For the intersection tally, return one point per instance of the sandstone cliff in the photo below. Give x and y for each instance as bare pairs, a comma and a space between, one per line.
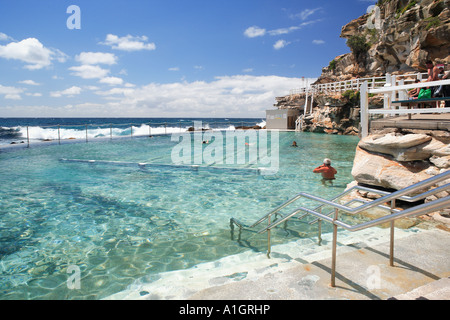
397, 37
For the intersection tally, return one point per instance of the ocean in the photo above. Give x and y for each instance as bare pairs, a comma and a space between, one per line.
20, 130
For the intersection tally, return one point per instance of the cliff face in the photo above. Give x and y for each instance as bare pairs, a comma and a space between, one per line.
398, 36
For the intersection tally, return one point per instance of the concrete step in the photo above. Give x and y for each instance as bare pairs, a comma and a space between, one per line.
436, 290
301, 270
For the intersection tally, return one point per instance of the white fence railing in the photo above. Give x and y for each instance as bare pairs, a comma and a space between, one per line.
355, 84
393, 93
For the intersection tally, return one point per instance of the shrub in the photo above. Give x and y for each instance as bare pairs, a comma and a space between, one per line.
332, 65
358, 45
432, 22
352, 96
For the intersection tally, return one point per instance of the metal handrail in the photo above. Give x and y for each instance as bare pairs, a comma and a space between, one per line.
398, 195
402, 194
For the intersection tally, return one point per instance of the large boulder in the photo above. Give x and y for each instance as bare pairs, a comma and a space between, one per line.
384, 171
410, 147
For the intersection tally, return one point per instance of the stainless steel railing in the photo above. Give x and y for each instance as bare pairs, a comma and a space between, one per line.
420, 189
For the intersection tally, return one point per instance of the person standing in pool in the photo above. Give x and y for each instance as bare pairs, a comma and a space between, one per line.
327, 172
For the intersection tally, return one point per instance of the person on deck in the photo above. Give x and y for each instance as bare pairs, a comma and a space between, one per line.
327, 172
433, 71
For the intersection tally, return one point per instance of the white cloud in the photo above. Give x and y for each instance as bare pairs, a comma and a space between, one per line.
111, 80
280, 31
92, 88
280, 44
318, 42
96, 58
11, 93
30, 83
228, 96
254, 31
32, 52
128, 43
4, 37
115, 91
89, 72
174, 69
37, 94
305, 13
70, 92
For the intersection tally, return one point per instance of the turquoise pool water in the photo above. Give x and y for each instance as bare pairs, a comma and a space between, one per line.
118, 223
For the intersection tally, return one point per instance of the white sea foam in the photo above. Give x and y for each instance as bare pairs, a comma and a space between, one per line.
53, 133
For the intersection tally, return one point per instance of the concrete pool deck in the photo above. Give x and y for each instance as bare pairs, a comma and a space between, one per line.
301, 270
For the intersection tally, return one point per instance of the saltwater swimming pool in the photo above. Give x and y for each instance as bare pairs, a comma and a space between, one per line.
119, 223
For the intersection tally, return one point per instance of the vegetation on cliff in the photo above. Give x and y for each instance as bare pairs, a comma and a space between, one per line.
396, 37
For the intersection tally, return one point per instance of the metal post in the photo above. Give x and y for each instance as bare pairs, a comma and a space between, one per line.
391, 249
28, 138
319, 225
59, 135
149, 130
131, 128
364, 106
86, 134
268, 240
333, 258
110, 131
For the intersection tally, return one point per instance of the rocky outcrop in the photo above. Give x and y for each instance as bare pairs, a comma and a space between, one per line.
410, 147
332, 120
397, 37
382, 170
394, 161
295, 101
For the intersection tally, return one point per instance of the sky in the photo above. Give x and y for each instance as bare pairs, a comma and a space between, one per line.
163, 58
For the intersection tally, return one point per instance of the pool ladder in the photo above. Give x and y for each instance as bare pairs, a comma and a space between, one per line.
332, 216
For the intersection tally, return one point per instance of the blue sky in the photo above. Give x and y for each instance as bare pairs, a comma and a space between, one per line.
168, 58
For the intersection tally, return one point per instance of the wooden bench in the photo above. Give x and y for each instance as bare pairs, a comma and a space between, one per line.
412, 102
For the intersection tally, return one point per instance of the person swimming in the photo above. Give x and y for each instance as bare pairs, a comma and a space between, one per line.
327, 172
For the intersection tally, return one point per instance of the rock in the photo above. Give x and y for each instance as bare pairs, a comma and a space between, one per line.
409, 147
441, 162
404, 38
384, 171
